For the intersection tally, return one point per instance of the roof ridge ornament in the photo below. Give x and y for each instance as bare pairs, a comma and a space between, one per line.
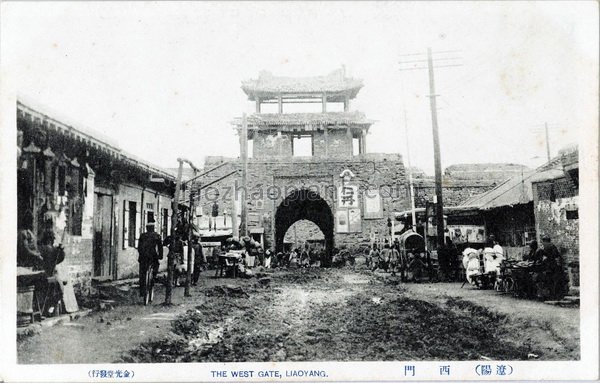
347, 175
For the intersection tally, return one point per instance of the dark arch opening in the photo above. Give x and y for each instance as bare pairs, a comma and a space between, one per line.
304, 204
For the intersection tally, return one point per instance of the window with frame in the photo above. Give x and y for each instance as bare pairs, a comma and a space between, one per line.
302, 146
130, 224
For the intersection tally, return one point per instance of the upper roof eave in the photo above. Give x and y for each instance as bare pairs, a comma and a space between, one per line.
269, 86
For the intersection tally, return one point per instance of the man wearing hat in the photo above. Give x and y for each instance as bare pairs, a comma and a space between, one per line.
150, 251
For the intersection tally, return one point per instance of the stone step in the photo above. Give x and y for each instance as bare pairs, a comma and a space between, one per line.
571, 298
554, 303
564, 302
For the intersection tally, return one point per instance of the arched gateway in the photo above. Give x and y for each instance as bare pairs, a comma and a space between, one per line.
304, 204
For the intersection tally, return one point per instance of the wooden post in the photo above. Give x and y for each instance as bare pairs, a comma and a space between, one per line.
439, 212
257, 105
324, 102
280, 103
363, 142
350, 139
326, 134
244, 155
170, 259
188, 277
235, 230
346, 103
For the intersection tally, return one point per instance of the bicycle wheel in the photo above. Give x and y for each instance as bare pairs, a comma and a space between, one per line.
149, 286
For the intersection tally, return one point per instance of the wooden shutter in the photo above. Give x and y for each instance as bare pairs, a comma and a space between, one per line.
125, 224
138, 224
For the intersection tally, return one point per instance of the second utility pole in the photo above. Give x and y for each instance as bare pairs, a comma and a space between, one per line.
547, 141
439, 206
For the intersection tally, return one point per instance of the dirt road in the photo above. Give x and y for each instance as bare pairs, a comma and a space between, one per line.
300, 315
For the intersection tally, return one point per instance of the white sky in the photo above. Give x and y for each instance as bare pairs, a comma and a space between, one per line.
163, 79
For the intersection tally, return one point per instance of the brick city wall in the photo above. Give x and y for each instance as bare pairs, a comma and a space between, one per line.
270, 181
303, 231
267, 145
454, 192
556, 216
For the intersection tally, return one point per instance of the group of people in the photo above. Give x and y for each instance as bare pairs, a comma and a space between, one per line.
483, 261
540, 275
41, 258
544, 275
150, 252
414, 266
309, 256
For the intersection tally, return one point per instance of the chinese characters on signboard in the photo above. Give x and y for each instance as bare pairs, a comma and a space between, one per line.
348, 196
348, 212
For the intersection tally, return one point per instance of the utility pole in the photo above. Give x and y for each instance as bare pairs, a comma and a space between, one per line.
410, 179
235, 228
170, 259
174, 219
547, 141
188, 277
414, 62
439, 206
244, 155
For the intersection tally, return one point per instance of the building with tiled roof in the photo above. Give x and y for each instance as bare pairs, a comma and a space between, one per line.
93, 196
307, 160
268, 87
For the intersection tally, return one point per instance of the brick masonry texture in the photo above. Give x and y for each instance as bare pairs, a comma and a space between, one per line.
454, 192
270, 181
552, 200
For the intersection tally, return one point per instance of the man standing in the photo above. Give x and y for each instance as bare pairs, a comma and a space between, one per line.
384, 257
557, 280
373, 257
150, 252
394, 256
199, 260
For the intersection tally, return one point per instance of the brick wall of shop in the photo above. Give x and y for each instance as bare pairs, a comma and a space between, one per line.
556, 215
78, 249
127, 255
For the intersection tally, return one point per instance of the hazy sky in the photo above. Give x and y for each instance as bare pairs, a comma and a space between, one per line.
163, 79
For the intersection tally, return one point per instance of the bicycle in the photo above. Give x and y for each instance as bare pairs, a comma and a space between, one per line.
148, 287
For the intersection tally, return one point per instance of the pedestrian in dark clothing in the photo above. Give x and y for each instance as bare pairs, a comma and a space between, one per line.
176, 252
199, 260
558, 282
28, 254
53, 255
535, 254
150, 252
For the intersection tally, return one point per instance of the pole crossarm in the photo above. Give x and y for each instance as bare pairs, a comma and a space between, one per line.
217, 180
181, 160
208, 171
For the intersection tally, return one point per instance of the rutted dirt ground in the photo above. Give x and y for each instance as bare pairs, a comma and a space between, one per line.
302, 315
